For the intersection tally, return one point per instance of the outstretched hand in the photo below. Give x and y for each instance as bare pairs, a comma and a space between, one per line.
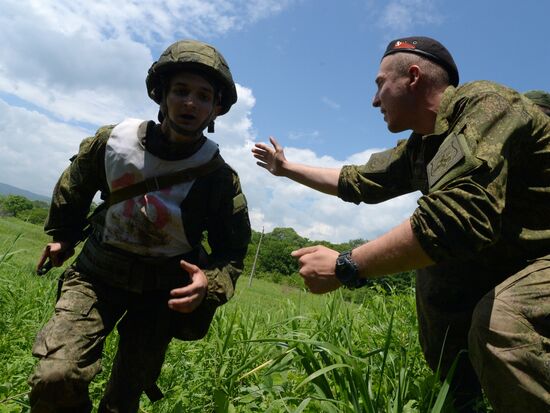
317, 266
270, 158
187, 299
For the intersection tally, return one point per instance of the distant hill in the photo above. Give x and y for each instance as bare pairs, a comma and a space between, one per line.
6, 189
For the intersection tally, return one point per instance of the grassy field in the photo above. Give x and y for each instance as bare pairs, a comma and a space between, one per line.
273, 348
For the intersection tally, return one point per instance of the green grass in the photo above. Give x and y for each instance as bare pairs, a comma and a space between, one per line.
272, 348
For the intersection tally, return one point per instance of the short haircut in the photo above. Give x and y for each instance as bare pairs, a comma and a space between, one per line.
436, 75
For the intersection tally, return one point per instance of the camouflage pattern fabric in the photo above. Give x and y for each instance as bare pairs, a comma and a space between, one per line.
510, 341
214, 204
70, 345
483, 215
539, 97
93, 298
192, 54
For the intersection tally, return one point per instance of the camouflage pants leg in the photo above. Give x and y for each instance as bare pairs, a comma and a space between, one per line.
444, 312
69, 348
144, 338
510, 342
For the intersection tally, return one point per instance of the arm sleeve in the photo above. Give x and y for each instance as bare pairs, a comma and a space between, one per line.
462, 212
228, 236
386, 175
75, 189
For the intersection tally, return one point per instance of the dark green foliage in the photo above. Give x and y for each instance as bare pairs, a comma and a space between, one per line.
34, 216
275, 263
14, 204
34, 212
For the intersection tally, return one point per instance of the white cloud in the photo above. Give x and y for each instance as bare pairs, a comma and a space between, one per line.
80, 62
34, 149
149, 20
85, 61
399, 17
280, 202
235, 127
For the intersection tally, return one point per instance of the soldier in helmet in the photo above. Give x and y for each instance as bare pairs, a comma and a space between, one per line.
540, 98
480, 236
142, 267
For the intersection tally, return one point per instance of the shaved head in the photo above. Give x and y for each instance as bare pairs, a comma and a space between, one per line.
434, 74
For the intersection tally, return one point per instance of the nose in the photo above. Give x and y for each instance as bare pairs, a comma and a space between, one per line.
376, 100
188, 100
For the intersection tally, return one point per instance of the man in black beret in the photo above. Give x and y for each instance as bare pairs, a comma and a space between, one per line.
479, 237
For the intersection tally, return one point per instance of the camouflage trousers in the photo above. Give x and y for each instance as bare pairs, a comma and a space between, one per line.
70, 346
506, 332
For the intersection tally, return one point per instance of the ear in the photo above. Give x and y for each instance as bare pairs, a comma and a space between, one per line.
414, 75
217, 110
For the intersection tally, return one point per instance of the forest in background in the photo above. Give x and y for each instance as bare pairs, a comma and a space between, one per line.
273, 261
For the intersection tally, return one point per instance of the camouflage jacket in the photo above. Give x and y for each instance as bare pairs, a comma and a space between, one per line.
484, 175
214, 204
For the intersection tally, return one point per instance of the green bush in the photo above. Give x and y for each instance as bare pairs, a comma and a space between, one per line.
14, 204
34, 216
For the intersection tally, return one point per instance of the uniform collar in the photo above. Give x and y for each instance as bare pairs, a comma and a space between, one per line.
445, 111
159, 145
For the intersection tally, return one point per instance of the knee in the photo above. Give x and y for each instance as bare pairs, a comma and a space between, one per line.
60, 383
496, 327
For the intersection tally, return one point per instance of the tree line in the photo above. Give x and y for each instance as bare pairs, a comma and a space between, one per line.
274, 261
23, 208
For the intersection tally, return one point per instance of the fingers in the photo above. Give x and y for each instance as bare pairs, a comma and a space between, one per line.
185, 304
261, 154
57, 252
188, 267
275, 144
317, 268
321, 285
187, 298
303, 251
45, 255
261, 147
59, 256
196, 284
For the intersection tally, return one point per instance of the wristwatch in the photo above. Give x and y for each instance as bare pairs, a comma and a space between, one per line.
347, 271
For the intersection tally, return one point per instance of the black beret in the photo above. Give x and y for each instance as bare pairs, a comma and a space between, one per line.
429, 48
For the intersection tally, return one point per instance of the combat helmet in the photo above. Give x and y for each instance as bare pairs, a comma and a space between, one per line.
192, 55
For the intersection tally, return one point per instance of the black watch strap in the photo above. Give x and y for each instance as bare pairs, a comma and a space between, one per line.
347, 271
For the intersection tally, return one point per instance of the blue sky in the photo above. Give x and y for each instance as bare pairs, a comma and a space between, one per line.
305, 71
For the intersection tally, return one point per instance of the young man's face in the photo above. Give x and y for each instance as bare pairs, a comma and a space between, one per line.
190, 100
393, 96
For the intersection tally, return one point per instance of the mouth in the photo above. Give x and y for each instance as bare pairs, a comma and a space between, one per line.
186, 118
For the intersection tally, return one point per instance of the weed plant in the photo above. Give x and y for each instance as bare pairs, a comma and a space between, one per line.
273, 348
